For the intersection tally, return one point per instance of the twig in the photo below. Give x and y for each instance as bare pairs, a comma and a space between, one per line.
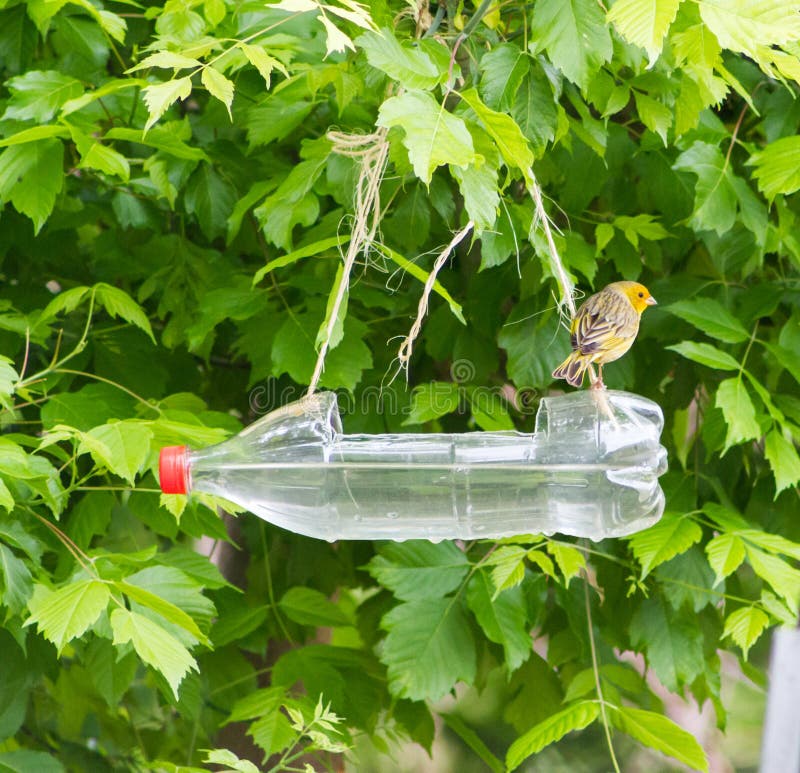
406, 348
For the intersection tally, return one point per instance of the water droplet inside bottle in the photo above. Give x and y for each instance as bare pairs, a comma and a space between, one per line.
392, 514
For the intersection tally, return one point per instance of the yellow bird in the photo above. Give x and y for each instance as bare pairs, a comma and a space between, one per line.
604, 329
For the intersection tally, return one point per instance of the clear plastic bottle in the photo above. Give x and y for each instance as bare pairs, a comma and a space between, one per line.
590, 469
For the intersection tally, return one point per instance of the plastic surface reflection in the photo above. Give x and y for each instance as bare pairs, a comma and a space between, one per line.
590, 470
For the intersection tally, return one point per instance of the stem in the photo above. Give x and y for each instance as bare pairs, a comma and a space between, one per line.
596, 670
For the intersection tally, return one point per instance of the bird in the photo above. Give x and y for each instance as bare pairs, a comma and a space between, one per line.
603, 329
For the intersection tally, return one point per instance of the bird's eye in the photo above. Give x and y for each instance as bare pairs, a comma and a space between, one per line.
641, 295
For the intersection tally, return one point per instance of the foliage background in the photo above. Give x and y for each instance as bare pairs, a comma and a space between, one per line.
174, 211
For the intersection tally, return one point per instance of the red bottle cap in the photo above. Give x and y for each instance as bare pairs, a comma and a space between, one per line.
172, 469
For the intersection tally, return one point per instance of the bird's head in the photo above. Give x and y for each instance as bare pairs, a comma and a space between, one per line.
637, 294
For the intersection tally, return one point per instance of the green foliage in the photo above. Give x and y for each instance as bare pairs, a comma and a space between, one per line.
178, 186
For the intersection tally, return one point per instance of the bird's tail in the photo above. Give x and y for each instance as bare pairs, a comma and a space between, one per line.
573, 368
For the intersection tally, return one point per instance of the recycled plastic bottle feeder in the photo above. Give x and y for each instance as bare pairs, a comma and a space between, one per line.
590, 469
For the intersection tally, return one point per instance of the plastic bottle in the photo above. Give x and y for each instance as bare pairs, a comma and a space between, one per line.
590, 469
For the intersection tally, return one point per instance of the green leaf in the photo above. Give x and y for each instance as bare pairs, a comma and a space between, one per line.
740, 415
31, 177
210, 198
218, 86
502, 618
418, 569
478, 186
168, 60
159, 138
263, 62
570, 560
508, 563
744, 626
108, 88
655, 115
712, 318
773, 543
310, 607
575, 36
743, 25
777, 167
308, 251
429, 647
160, 96
119, 304
433, 136
230, 761
37, 95
68, 612
502, 72
715, 193
154, 646
95, 155
535, 110
122, 447
274, 119
489, 411
725, 553
644, 23
784, 579
27, 761
336, 325
664, 540
409, 64
163, 607
673, 645
783, 460
17, 583
35, 133
433, 400
660, 733
705, 354
554, 728
504, 131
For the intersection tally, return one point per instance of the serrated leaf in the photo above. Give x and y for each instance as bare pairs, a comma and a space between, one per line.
335, 40
777, 167
705, 354
159, 138
31, 177
119, 304
428, 648
673, 645
503, 618
167, 60
570, 560
307, 251
783, 460
712, 318
160, 96
218, 86
505, 133
68, 612
37, 95
433, 136
725, 553
784, 579
552, 729
478, 186
105, 159
17, 581
154, 645
508, 566
739, 412
263, 62
655, 115
418, 569
502, 72
574, 34
772, 543
310, 607
644, 22
661, 733
36, 133
121, 447
231, 762
336, 326
541, 559
166, 609
408, 64
664, 540
744, 626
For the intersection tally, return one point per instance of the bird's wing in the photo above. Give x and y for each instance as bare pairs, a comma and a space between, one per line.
603, 323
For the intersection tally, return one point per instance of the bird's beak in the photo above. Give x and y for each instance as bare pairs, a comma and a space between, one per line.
651, 301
